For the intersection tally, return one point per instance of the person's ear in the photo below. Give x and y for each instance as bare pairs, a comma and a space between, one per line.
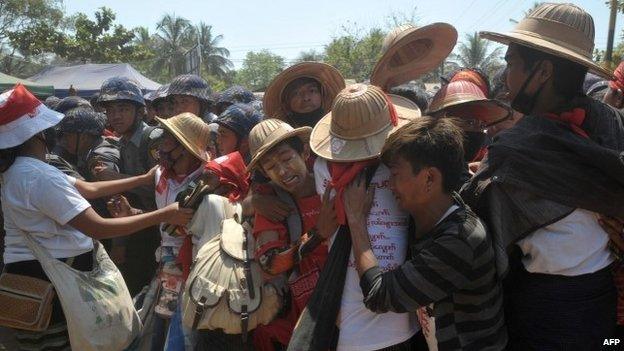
429, 178
305, 154
435, 178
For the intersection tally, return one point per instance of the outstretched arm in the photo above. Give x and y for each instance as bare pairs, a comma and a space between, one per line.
91, 224
94, 190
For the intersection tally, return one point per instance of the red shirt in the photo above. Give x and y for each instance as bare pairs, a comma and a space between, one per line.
280, 329
309, 209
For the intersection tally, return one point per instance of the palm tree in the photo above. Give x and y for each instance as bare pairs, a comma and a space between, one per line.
214, 57
174, 38
142, 37
474, 53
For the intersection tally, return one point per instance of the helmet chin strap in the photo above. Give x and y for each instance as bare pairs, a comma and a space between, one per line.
524, 102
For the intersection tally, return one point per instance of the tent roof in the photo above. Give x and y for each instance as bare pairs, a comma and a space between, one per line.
40, 90
88, 78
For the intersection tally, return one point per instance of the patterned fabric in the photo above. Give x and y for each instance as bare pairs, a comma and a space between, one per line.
618, 276
80, 117
236, 94
119, 89
191, 85
160, 93
240, 118
452, 267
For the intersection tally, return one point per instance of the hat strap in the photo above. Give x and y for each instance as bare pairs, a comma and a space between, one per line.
394, 118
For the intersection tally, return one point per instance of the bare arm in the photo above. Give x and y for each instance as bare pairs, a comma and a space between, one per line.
357, 211
94, 190
91, 224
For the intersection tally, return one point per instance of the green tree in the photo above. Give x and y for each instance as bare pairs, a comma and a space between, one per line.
28, 29
310, 55
215, 58
174, 39
355, 55
474, 52
100, 40
17, 15
259, 68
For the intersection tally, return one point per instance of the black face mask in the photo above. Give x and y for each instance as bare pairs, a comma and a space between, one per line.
166, 160
523, 102
305, 119
473, 141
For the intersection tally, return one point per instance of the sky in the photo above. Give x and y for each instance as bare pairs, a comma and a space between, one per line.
289, 27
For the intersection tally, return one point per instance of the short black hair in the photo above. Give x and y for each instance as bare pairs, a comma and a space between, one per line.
414, 93
429, 142
568, 76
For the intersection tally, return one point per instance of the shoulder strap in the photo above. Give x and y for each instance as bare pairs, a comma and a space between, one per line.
144, 145
293, 222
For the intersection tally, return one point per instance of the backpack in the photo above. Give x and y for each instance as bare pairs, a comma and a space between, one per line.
225, 289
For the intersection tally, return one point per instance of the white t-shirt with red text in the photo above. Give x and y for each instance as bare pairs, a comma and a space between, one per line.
360, 328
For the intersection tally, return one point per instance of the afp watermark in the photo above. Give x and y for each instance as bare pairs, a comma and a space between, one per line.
611, 342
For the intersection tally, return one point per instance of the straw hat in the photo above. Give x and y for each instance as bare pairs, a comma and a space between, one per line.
330, 79
409, 52
190, 131
22, 116
563, 30
270, 132
467, 99
359, 123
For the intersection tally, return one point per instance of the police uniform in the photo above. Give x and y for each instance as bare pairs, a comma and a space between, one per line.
105, 152
137, 155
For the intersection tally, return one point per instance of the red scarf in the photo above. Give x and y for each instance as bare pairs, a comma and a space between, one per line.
165, 175
231, 171
342, 174
574, 119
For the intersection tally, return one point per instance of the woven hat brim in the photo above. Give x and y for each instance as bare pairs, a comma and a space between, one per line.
443, 36
330, 147
181, 137
303, 133
329, 77
548, 47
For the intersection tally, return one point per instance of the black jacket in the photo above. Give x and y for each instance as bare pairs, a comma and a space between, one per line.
539, 171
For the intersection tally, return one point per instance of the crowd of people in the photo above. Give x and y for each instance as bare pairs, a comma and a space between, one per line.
327, 217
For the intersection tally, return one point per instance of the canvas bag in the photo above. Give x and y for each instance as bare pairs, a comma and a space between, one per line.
97, 305
221, 292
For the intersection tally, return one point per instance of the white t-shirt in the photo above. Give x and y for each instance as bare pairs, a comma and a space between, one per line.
360, 328
572, 246
166, 196
39, 200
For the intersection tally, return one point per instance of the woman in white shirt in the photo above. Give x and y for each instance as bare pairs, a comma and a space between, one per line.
40, 201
